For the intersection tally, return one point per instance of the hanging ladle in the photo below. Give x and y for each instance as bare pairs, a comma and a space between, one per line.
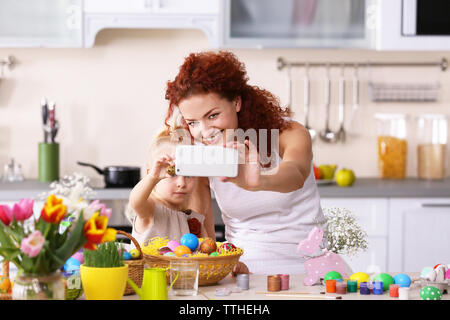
306, 90
327, 135
341, 132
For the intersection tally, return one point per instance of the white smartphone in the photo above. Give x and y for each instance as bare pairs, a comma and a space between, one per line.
206, 161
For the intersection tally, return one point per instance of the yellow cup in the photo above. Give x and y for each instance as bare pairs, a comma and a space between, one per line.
104, 283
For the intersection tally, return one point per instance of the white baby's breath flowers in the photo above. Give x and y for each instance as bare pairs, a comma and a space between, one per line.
344, 235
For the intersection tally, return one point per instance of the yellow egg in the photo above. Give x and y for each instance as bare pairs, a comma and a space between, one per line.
135, 253
360, 277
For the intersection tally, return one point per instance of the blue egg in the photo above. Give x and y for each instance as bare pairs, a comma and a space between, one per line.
402, 279
72, 265
127, 256
189, 240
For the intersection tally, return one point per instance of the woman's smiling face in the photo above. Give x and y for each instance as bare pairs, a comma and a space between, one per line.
208, 115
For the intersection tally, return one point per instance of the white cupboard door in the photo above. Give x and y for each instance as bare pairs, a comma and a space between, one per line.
371, 214
419, 233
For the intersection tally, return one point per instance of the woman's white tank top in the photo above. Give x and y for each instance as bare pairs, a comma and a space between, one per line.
268, 225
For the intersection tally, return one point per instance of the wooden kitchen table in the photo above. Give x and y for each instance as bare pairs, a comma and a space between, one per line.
258, 283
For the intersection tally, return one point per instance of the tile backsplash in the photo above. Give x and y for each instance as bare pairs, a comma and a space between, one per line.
110, 98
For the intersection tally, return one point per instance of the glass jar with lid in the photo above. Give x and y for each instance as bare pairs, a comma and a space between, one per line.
392, 145
432, 146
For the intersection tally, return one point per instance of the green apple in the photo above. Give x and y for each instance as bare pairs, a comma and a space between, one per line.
345, 177
327, 170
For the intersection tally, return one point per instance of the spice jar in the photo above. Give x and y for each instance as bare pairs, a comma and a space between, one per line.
392, 145
432, 145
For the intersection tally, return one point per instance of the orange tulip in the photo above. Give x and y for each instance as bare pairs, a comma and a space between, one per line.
96, 231
53, 210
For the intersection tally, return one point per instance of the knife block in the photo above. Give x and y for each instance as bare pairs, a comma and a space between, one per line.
48, 166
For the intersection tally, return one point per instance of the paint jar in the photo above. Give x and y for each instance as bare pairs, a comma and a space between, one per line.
352, 286
330, 286
273, 283
393, 290
341, 287
377, 287
284, 281
364, 288
243, 281
403, 293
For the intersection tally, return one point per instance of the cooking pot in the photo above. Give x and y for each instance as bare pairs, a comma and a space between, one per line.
117, 176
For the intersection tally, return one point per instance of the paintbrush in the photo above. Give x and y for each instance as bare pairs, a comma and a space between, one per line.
287, 292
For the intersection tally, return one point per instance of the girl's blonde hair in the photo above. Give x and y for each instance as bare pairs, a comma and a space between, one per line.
165, 141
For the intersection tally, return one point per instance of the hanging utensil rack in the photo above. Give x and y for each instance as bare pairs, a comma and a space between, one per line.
282, 63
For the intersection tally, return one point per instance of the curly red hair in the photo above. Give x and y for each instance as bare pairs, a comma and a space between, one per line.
222, 73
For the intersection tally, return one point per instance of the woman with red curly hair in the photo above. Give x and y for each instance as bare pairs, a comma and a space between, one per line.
267, 211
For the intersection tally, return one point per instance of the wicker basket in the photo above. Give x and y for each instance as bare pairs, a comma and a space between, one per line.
135, 266
5, 273
211, 269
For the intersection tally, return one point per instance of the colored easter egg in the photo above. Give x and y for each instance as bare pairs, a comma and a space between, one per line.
214, 254
430, 293
5, 284
173, 244
127, 256
226, 247
135, 253
402, 279
164, 250
360, 277
387, 280
170, 254
189, 240
332, 275
180, 250
71, 265
208, 246
425, 271
79, 256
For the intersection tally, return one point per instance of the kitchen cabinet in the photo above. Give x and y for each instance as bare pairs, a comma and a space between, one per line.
298, 24
151, 14
372, 215
76, 23
418, 233
41, 23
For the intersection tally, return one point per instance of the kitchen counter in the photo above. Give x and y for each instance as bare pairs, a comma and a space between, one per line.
363, 187
258, 285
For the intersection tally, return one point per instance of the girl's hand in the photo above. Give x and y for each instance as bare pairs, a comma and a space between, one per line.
159, 167
240, 267
248, 169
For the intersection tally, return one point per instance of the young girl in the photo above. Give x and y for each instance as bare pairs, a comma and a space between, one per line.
157, 204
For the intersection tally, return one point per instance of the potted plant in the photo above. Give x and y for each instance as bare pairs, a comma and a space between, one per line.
40, 244
103, 273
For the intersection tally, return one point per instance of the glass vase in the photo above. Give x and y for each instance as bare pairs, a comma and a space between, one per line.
38, 287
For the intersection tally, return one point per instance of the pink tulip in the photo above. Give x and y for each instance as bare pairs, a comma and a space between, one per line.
32, 244
5, 214
23, 209
96, 206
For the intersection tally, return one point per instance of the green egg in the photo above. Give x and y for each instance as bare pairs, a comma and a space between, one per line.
430, 293
214, 254
386, 278
332, 275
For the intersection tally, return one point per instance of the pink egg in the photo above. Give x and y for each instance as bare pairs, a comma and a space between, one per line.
78, 256
172, 244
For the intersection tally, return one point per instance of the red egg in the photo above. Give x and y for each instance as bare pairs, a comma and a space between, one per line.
226, 247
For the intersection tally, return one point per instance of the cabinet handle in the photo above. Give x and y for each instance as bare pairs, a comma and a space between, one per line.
436, 205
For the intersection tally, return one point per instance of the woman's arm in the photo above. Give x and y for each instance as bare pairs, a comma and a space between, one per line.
295, 148
200, 201
296, 152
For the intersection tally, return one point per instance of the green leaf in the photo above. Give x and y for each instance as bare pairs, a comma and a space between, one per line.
74, 241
